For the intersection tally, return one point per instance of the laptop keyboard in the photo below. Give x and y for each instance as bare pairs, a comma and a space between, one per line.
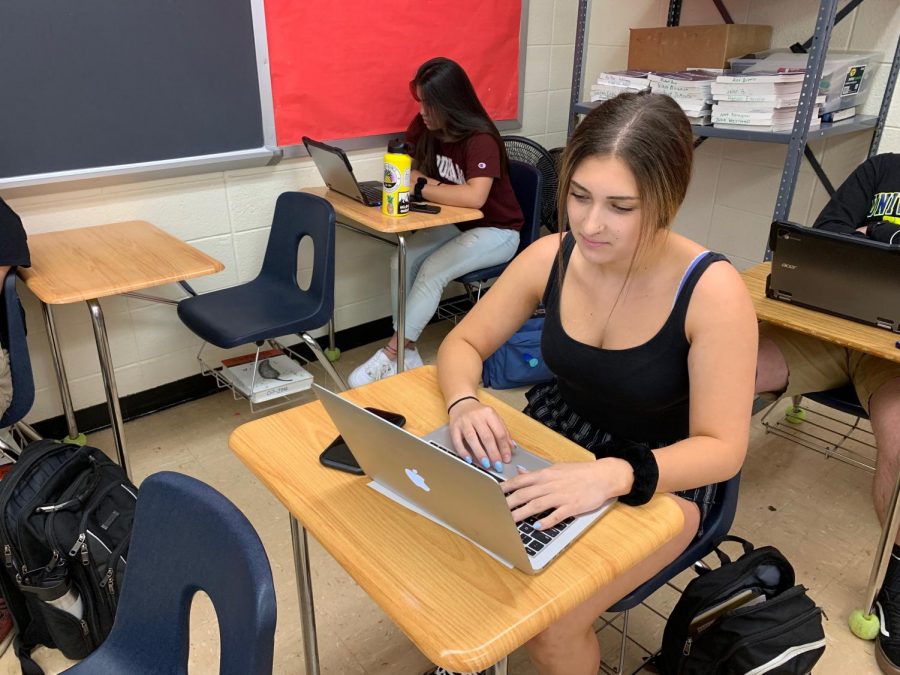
371, 192
536, 540
533, 540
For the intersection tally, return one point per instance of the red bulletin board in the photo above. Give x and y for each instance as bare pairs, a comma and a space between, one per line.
341, 69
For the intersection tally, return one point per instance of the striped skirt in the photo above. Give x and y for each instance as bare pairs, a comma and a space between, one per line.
546, 405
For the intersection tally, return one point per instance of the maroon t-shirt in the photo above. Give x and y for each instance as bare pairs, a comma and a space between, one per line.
473, 157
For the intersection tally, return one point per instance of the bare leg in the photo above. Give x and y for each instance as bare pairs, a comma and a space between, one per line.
391, 347
884, 412
771, 368
569, 646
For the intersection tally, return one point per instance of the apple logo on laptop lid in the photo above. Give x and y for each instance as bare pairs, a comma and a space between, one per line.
417, 480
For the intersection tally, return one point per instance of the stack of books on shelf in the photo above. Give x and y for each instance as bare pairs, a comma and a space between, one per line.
611, 84
759, 101
690, 89
276, 375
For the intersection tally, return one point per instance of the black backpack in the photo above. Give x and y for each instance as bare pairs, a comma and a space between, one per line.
745, 616
66, 513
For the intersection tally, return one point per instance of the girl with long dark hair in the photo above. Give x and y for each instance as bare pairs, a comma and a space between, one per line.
460, 157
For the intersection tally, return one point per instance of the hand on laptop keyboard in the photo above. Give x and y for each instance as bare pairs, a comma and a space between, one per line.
479, 433
560, 491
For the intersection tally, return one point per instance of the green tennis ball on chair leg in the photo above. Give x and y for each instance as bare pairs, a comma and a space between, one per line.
794, 415
862, 625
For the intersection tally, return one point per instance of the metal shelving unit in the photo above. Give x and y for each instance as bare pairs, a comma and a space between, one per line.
797, 138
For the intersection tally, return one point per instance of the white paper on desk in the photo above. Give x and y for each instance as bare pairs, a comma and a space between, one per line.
402, 501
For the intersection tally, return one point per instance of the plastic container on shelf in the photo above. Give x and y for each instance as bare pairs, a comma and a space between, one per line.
741, 63
846, 76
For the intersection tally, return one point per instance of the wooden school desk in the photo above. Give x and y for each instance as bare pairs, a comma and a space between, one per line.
352, 214
88, 263
851, 334
460, 607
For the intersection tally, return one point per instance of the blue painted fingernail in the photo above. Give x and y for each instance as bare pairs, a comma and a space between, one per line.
468, 459
537, 525
498, 467
485, 462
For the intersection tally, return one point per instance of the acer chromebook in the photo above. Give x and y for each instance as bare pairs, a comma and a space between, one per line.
851, 277
337, 173
426, 476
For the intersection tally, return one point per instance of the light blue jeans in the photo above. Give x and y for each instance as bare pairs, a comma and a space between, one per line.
437, 256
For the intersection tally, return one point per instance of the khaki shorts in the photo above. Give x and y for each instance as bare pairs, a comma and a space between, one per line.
5, 382
818, 365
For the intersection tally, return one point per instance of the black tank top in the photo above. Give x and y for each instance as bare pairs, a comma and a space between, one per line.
640, 393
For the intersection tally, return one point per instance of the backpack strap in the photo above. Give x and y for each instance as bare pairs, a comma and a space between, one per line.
24, 644
724, 558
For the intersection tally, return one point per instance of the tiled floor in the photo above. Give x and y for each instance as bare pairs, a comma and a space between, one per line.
816, 511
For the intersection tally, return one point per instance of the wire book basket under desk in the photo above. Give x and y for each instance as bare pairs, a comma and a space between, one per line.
224, 381
833, 433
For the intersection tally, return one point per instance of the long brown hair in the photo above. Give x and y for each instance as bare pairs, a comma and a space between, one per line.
446, 89
652, 136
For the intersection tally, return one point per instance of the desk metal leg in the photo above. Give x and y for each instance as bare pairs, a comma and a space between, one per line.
109, 383
401, 303
499, 668
60, 367
332, 352
304, 591
885, 545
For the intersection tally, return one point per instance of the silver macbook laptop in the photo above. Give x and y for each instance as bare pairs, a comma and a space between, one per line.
852, 277
426, 476
337, 173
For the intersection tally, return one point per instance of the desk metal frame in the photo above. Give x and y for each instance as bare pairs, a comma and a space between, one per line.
401, 290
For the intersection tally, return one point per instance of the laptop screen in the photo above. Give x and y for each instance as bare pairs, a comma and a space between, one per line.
334, 168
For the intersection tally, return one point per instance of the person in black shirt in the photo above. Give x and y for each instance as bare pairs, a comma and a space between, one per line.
651, 340
792, 363
13, 252
868, 202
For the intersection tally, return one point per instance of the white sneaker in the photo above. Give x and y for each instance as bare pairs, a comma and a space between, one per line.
412, 359
378, 367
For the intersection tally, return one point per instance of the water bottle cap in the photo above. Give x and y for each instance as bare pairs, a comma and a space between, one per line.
533, 363
398, 146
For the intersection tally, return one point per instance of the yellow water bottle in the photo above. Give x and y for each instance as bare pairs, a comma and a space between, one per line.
397, 167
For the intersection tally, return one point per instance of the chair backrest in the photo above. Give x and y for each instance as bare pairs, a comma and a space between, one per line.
187, 537
12, 337
298, 215
524, 149
526, 183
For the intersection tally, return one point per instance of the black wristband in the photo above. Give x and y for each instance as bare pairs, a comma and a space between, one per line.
643, 464
460, 400
421, 182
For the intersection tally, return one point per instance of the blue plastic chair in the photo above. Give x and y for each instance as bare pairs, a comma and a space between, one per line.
526, 182
12, 337
273, 304
717, 525
187, 537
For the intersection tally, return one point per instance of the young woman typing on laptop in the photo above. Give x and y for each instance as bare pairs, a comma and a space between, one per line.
459, 160
651, 338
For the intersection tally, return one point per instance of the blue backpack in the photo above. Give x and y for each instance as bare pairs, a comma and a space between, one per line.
518, 361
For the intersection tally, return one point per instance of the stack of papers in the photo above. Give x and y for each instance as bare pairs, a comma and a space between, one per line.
759, 101
689, 88
611, 84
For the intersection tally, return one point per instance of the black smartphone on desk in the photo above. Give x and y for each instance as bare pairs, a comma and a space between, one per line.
338, 456
421, 207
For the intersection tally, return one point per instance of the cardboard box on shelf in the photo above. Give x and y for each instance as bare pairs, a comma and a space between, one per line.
680, 47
